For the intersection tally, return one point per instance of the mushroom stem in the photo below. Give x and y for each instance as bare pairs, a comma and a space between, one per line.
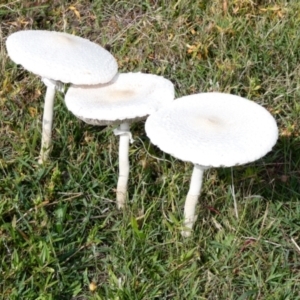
47, 120
125, 136
192, 199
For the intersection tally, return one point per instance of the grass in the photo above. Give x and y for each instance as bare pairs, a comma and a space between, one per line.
61, 236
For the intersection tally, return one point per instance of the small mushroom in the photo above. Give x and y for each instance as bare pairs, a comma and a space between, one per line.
211, 130
127, 98
59, 57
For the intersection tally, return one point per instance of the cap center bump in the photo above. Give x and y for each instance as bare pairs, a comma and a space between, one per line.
121, 95
209, 123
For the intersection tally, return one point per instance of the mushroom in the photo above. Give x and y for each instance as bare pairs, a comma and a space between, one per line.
211, 130
59, 57
127, 98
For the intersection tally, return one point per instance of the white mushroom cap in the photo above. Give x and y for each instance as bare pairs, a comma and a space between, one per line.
213, 129
61, 56
128, 97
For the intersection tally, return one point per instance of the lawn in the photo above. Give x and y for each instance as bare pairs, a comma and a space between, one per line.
61, 235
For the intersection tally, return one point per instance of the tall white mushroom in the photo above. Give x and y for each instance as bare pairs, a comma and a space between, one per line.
211, 130
129, 97
59, 57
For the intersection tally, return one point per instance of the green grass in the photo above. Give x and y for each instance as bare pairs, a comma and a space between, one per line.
59, 226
